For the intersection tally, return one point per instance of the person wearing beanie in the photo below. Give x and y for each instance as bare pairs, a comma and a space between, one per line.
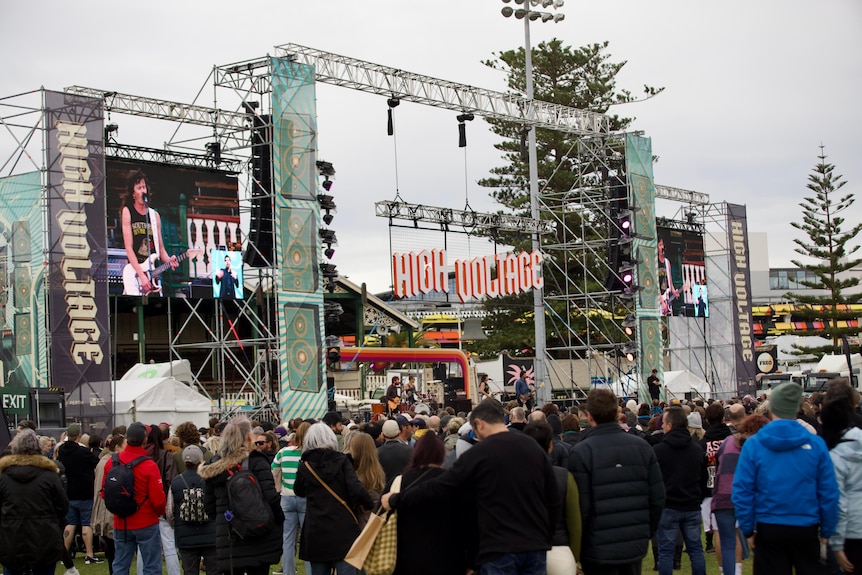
784, 490
140, 531
396, 451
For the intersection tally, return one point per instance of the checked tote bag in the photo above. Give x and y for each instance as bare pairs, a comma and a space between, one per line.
375, 550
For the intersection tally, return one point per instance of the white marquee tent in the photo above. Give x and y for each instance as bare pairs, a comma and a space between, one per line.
678, 383
159, 399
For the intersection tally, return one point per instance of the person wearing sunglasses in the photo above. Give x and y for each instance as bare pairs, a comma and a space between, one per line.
266, 444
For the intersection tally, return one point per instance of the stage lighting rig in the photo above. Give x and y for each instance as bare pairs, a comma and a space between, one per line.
328, 237
629, 324
462, 128
327, 204
630, 350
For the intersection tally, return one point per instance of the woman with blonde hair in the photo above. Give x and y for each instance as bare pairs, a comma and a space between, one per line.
252, 555
363, 451
327, 480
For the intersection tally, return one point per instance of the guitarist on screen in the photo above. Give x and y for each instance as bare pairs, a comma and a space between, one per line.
142, 236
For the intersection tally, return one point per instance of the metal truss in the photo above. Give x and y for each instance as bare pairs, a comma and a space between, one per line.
680, 195
468, 220
394, 83
172, 157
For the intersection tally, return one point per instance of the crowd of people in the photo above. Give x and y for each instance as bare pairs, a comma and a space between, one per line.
501, 489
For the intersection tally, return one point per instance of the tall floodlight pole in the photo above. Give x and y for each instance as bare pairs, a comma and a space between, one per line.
527, 14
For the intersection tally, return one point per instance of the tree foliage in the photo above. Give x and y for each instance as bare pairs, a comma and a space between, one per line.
583, 78
830, 256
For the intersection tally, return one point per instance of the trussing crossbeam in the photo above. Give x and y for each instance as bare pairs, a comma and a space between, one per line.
679, 195
467, 219
393, 83
165, 109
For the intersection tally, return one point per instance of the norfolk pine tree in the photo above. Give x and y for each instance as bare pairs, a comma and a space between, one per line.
828, 246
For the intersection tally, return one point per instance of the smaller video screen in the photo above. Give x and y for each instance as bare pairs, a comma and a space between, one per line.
227, 274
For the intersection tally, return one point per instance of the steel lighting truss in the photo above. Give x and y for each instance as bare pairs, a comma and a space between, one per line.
465, 219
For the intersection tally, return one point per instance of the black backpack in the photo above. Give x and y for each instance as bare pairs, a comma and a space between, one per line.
248, 514
119, 487
192, 505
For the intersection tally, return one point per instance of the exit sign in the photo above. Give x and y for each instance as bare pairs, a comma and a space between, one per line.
15, 401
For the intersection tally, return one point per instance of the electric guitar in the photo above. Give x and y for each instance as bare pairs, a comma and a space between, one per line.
667, 298
131, 283
525, 397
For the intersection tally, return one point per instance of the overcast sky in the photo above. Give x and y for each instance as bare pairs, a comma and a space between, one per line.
752, 90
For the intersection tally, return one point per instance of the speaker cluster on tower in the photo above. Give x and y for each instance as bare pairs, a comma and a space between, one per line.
327, 236
260, 252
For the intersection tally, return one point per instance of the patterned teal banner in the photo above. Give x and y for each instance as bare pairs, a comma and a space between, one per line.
297, 220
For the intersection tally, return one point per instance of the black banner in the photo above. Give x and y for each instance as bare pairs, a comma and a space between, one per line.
77, 258
740, 283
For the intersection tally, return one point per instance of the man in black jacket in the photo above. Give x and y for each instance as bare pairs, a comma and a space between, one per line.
509, 476
621, 491
80, 464
683, 467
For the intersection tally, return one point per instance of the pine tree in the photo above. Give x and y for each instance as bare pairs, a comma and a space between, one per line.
583, 78
828, 246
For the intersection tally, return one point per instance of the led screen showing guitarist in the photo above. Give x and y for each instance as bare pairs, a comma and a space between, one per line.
142, 238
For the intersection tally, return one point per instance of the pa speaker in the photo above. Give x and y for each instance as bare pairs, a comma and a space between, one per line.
23, 334
21, 245
298, 258
22, 286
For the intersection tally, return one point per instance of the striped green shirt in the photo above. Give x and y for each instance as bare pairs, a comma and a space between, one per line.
287, 461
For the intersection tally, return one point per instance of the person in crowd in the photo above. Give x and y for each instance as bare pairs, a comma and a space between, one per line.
695, 426
33, 507
102, 520
332, 490
415, 556
452, 427
734, 416
489, 473
195, 540
284, 467
783, 513
395, 452
517, 419
566, 542
683, 470
266, 444
252, 556
615, 471
335, 422
139, 531
845, 443
188, 434
715, 433
571, 430
370, 473
168, 470
733, 548
80, 467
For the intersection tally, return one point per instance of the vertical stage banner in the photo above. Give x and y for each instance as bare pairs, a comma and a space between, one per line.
297, 220
740, 275
77, 257
23, 313
639, 173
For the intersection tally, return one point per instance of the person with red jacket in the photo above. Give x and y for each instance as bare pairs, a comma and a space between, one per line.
140, 531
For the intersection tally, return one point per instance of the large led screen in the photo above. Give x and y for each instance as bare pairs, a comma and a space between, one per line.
683, 287
165, 222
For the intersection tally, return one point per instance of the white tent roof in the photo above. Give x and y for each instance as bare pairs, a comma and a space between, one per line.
684, 381
178, 369
158, 400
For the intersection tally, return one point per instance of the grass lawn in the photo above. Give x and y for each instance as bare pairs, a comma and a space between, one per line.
711, 566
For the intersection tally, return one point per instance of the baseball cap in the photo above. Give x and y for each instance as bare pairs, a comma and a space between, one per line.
136, 433
192, 454
280, 431
419, 422
74, 430
391, 428
402, 421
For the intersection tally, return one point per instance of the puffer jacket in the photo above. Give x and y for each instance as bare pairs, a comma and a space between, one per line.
847, 458
33, 506
329, 528
621, 491
237, 552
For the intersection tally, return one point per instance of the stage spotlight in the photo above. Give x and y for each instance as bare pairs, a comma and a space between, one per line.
630, 323
507, 11
325, 168
520, 13
624, 220
329, 252
630, 350
559, 17
327, 184
328, 237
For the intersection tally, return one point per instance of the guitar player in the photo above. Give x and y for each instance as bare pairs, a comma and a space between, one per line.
523, 391
392, 398
142, 233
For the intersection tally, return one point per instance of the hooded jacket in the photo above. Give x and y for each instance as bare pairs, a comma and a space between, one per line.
329, 528
33, 508
149, 493
785, 476
80, 464
847, 458
711, 443
264, 550
683, 469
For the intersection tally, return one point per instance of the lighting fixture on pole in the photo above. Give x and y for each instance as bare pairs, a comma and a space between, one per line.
525, 13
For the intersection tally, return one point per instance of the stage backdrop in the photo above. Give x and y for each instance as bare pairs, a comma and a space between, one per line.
77, 257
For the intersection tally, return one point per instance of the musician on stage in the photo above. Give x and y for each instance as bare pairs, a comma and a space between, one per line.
142, 233
409, 392
392, 396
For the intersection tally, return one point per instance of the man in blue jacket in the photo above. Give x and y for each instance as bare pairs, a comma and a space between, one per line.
785, 492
